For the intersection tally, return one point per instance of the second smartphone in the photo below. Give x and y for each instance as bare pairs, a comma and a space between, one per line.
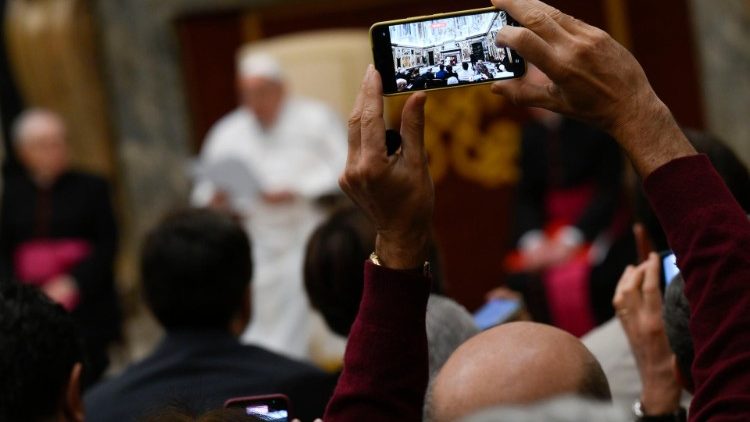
443, 51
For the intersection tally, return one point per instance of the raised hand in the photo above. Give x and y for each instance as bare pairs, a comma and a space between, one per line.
395, 191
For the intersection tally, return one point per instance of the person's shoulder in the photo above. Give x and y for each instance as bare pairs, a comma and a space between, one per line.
230, 122
276, 361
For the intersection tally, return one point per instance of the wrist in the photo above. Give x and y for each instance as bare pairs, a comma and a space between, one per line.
402, 251
650, 135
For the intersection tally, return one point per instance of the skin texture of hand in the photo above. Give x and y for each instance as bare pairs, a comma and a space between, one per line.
395, 192
592, 78
278, 198
639, 309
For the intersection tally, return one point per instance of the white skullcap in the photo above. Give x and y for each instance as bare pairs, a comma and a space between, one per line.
260, 65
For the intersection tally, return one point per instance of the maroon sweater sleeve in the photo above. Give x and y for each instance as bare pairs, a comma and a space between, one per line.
710, 234
385, 365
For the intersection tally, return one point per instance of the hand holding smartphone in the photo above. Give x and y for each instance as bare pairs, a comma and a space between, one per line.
443, 51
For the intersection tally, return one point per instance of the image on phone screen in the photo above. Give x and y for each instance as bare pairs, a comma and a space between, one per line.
445, 51
669, 267
496, 312
266, 413
274, 407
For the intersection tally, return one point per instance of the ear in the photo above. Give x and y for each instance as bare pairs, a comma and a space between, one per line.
73, 404
244, 314
643, 242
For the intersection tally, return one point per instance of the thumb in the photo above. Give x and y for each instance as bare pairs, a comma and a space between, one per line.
412, 127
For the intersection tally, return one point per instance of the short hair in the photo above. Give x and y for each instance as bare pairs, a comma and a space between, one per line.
333, 267
561, 409
593, 383
677, 325
449, 68
195, 267
182, 413
442, 67
39, 345
465, 65
22, 123
449, 325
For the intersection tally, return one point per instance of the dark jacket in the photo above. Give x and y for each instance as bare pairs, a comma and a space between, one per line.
199, 371
78, 206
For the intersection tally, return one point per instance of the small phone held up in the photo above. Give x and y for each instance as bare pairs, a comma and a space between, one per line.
275, 407
443, 51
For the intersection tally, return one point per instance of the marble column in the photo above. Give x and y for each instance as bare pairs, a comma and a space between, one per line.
723, 40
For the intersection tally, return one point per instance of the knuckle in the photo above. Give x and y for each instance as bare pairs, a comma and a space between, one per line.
535, 18
355, 120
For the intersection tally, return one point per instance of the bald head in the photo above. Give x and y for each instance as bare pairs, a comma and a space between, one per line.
515, 363
39, 137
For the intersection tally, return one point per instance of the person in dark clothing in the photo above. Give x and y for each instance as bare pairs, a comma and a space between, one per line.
571, 211
442, 73
41, 352
196, 270
58, 232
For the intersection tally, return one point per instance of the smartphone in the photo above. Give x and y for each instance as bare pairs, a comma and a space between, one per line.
274, 407
496, 312
668, 268
443, 51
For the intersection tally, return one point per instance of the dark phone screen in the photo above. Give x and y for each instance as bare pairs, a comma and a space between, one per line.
444, 52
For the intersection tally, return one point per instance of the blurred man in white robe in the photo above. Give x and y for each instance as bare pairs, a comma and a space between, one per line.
269, 161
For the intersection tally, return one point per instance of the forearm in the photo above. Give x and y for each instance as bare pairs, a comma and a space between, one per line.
710, 235
649, 134
385, 367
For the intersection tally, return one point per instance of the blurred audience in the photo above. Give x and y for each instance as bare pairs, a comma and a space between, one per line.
196, 270
41, 358
58, 232
291, 151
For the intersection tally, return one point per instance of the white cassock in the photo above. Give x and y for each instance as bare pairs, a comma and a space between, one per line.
303, 153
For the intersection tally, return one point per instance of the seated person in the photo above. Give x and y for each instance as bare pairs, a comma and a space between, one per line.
334, 282
513, 364
58, 232
442, 73
41, 355
196, 270
465, 74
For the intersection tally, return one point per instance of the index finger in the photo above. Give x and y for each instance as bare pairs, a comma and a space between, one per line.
372, 124
528, 12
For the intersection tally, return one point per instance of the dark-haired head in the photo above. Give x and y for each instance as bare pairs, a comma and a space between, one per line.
196, 269
41, 355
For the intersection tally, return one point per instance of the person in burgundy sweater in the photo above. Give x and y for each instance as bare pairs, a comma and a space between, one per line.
592, 78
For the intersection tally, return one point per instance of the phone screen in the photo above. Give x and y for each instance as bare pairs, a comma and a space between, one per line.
444, 51
669, 267
267, 408
496, 312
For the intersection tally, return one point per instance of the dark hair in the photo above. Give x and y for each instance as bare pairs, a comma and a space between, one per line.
676, 323
333, 269
39, 345
183, 414
730, 168
594, 384
449, 69
442, 67
465, 65
195, 267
